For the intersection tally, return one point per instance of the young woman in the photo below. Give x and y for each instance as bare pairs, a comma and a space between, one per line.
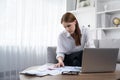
71, 41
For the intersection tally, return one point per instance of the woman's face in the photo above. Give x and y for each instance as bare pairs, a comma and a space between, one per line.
69, 26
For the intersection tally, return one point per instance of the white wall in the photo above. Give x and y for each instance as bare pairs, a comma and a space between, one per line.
70, 4
86, 16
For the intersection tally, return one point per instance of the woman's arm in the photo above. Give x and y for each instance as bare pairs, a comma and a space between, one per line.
60, 52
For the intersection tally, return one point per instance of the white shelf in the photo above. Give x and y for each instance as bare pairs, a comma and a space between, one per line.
82, 10
109, 11
111, 28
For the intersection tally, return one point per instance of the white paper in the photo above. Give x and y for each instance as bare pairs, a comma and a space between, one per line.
50, 70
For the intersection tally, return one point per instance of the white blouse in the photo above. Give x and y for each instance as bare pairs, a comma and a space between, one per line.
66, 44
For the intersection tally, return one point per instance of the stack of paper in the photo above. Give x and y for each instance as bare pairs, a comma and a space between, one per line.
50, 70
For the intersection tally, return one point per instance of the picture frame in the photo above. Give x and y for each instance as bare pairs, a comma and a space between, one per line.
85, 3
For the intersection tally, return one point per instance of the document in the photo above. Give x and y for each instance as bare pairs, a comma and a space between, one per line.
50, 70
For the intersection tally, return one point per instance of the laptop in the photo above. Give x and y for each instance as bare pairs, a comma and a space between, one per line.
99, 59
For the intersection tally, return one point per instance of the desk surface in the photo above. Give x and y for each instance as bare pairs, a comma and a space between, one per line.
82, 76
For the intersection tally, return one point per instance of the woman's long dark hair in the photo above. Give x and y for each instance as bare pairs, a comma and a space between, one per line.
69, 17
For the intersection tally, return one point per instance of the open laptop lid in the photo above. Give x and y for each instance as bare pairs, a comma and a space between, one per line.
99, 59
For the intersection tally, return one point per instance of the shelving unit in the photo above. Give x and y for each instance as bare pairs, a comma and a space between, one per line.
100, 18
106, 11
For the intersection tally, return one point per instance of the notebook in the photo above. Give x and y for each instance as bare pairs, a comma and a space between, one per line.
99, 59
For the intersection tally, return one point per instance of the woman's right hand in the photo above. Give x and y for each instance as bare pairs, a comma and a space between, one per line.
59, 64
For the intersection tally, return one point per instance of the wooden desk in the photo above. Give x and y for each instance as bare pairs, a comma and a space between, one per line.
86, 76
